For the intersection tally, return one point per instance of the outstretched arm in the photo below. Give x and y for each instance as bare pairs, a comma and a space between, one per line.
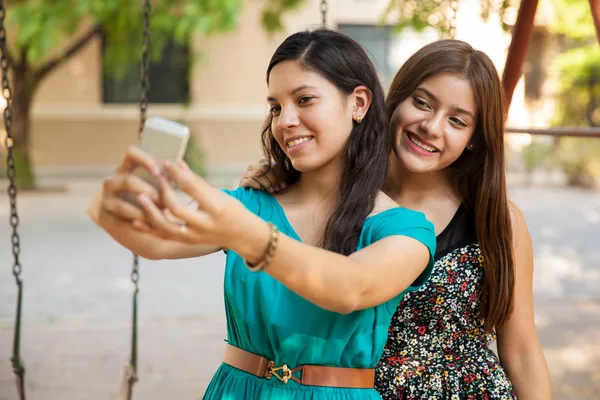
343, 284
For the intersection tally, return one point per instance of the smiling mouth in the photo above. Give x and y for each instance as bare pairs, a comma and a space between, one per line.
415, 140
293, 143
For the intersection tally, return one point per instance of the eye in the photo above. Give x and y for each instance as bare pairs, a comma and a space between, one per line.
305, 99
458, 122
421, 103
275, 110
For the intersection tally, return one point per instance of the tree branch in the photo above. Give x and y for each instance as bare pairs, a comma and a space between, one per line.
9, 58
23, 60
595, 8
517, 50
68, 53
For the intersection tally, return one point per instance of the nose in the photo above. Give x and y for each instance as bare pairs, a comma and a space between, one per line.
288, 117
433, 125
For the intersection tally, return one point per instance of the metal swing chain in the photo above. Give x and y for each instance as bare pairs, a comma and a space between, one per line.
145, 86
143, 105
145, 73
324, 9
17, 363
131, 375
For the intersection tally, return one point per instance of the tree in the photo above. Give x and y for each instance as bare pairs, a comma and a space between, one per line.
440, 14
579, 18
578, 97
517, 50
37, 30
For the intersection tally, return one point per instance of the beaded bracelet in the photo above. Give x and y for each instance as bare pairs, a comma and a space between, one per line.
269, 251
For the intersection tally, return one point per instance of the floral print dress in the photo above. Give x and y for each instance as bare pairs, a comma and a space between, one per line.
437, 346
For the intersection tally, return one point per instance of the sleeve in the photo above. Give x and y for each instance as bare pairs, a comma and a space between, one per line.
401, 221
235, 193
248, 197
244, 196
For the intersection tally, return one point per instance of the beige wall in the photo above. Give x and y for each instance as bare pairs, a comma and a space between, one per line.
74, 133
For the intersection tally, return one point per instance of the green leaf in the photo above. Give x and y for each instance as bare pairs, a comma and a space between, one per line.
578, 97
40, 28
573, 19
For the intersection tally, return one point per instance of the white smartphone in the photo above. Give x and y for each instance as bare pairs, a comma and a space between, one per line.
163, 139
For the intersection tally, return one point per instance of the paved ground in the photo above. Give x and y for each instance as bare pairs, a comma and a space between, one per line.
77, 302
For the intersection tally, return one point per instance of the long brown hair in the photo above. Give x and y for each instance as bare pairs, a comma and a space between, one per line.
479, 174
344, 63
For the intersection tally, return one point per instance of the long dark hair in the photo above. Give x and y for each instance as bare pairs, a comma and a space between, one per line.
479, 174
345, 64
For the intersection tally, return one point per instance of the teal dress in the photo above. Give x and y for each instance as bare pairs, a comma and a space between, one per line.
266, 318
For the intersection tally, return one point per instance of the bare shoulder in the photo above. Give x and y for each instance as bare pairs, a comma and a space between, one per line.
383, 203
522, 244
519, 225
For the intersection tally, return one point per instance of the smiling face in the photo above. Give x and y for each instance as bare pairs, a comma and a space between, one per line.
311, 119
434, 125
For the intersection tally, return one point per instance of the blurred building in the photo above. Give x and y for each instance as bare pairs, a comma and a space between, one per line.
83, 119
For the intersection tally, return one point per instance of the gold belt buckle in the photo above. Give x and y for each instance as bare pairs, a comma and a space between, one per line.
285, 370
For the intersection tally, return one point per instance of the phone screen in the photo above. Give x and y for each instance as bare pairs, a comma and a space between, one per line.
164, 144
164, 140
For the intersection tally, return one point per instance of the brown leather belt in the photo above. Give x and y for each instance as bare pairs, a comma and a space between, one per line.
312, 375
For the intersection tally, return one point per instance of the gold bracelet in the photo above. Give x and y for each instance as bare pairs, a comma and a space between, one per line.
269, 251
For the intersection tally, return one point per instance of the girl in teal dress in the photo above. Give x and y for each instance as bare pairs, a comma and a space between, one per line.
315, 273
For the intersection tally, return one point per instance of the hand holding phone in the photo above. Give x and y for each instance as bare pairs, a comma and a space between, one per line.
164, 140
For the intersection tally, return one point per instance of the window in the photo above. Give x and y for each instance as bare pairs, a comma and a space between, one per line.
377, 40
169, 78
388, 49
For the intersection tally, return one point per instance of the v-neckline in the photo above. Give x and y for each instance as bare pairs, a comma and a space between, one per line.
284, 219
288, 225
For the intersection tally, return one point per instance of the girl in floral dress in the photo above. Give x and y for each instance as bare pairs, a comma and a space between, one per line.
446, 108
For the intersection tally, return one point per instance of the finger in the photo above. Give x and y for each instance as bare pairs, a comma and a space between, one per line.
255, 180
264, 184
117, 184
193, 185
191, 216
262, 165
121, 208
170, 217
279, 187
169, 196
170, 231
260, 180
256, 168
135, 157
156, 219
141, 226
273, 164
192, 204
171, 225
266, 178
250, 183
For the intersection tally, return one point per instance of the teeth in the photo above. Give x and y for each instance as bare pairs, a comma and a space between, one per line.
296, 142
420, 144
